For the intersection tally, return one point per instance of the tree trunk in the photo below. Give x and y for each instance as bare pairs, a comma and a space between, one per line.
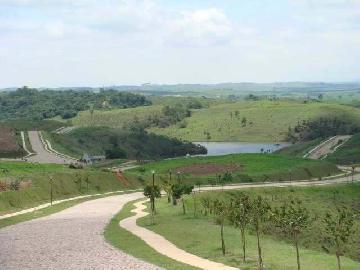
259, 249
174, 200
169, 199
222, 238
338, 261
183, 206
243, 243
297, 253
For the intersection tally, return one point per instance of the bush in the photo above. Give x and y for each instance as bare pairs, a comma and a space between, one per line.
115, 153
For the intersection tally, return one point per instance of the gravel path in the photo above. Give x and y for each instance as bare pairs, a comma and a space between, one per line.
70, 239
43, 156
165, 247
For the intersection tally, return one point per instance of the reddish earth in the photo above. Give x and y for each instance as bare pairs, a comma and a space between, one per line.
122, 178
8, 143
206, 169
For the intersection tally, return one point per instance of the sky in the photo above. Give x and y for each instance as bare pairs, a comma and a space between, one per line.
54, 43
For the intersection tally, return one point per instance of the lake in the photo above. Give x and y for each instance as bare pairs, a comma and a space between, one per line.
224, 148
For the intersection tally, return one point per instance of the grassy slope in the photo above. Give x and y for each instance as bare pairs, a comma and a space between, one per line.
131, 244
257, 167
64, 185
203, 236
349, 153
116, 117
299, 149
270, 120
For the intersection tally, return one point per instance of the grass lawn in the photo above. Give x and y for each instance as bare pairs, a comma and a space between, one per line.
133, 245
203, 235
244, 167
64, 185
266, 121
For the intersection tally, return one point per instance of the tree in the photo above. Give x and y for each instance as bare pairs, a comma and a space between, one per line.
178, 190
240, 216
258, 215
338, 228
167, 187
152, 191
221, 211
78, 180
292, 218
87, 181
243, 121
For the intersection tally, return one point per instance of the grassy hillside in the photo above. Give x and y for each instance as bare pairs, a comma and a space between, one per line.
299, 149
349, 153
128, 144
115, 117
64, 185
243, 167
266, 121
203, 234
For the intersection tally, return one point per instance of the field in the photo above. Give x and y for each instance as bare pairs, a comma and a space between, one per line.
266, 121
243, 167
10, 143
64, 183
203, 235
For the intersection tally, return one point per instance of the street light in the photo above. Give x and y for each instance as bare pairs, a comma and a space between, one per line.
51, 190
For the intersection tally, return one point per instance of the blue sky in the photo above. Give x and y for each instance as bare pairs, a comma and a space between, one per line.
89, 42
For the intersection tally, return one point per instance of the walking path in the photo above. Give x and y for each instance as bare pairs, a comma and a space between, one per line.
163, 246
43, 155
70, 239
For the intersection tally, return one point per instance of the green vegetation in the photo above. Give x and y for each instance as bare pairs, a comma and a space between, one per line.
131, 244
349, 153
120, 143
27, 103
256, 121
28, 185
203, 236
242, 167
299, 149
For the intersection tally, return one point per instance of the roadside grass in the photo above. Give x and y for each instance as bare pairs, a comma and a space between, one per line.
64, 184
254, 168
349, 153
133, 245
60, 147
203, 235
299, 149
266, 121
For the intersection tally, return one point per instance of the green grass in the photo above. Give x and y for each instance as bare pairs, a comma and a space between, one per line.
299, 149
267, 121
256, 167
203, 235
63, 185
115, 117
133, 245
349, 153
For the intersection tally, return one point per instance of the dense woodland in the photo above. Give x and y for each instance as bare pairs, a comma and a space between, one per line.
132, 144
28, 103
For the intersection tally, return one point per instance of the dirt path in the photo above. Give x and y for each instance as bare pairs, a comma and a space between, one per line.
163, 246
327, 147
42, 155
70, 239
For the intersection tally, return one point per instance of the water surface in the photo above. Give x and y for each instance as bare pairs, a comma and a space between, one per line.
225, 148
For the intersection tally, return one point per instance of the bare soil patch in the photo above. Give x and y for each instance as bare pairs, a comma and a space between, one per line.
210, 168
8, 143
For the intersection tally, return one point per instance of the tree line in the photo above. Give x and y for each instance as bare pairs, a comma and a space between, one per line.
32, 104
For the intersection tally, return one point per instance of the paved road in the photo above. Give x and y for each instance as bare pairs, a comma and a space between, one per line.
327, 147
70, 239
42, 156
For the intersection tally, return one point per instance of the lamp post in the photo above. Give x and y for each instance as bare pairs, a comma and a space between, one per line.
51, 190
153, 194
